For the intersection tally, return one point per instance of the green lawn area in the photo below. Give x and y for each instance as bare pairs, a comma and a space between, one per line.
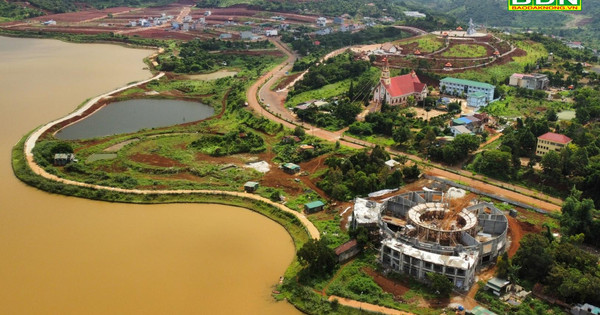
513, 106
465, 50
428, 43
327, 91
502, 72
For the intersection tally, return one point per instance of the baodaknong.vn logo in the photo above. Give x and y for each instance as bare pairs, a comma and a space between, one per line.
544, 5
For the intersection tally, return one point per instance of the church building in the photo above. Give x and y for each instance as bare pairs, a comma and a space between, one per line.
396, 90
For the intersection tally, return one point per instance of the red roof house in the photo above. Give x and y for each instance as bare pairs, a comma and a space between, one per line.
555, 137
396, 90
551, 141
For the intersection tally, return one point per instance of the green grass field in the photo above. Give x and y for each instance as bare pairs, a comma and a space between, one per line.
465, 50
502, 72
426, 44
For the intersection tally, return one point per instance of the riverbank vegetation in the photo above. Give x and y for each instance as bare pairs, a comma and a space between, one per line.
89, 38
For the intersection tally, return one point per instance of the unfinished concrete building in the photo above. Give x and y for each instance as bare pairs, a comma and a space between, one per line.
425, 231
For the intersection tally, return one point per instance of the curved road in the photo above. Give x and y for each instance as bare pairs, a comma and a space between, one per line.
277, 112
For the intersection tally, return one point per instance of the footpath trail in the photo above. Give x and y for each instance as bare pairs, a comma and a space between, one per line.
31, 141
367, 307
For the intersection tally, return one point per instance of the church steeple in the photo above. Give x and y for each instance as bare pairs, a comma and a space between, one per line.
385, 72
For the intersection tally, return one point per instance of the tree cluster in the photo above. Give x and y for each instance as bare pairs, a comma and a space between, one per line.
362, 173
334, 69
567, 271
240, 140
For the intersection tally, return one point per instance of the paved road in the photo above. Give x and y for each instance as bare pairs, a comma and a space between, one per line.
527, 196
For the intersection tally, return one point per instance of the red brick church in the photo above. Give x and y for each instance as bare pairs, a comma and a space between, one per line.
396, 90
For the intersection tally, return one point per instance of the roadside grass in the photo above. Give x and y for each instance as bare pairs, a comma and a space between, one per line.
426, 44
512, 106
330, 229
308, 195
327, 91
375, 139
465, 50
131, 91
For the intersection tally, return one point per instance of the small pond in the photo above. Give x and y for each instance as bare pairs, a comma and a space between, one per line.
133, 115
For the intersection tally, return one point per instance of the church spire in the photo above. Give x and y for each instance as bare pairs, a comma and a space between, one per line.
385, 72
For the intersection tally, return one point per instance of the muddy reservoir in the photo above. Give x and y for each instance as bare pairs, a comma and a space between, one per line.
64, 255
133, 115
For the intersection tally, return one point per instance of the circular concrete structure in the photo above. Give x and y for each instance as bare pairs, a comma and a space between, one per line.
437, 223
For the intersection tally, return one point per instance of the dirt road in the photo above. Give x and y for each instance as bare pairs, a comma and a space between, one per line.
367, 307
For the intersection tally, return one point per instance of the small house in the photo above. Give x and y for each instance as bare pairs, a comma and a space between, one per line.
390, 164
477, 99
291, 168
225, 36
321, 21
62, 159
347, 250
306, 147
497, 285
459, 130
250, 187
314, 206
207, 13
338, 20
269, 33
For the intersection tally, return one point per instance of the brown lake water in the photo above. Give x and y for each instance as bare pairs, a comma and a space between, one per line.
65, 255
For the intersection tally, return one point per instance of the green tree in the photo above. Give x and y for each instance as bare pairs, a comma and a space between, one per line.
551, 164
533, 257
439, 284
318, 259
299, 132
402, 134
494, 163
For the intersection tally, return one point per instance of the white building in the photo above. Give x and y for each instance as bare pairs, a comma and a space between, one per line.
271, 33
459, 87
535, 81
321, 22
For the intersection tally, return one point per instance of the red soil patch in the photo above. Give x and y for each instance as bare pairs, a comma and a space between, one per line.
277, 178
155, 160
217, 159
81, 16
390, 286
